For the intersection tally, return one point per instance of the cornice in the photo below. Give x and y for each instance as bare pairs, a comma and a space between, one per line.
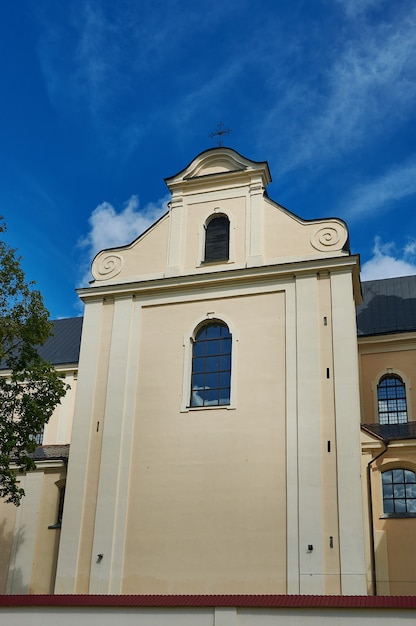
387, 343
43, 464
224, 278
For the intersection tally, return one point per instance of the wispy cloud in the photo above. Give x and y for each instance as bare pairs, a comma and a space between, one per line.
359, 95
109, 228
353, 8
388, 262
106, 59
375, 195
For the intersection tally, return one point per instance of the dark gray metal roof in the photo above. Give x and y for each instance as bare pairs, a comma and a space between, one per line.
63, 345
388, 306
388, 432
51, 452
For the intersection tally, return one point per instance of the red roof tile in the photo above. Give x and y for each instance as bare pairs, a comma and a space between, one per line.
202, 601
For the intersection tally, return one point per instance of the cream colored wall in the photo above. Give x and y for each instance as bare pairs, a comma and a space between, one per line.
29, 548
394, 538
8, 514
74, 560
288, 238
58, 429
167, 485
138, 261
378, 356
207, 485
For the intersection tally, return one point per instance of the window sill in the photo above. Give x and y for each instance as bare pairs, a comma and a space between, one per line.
398, 516
228, 407
218, 262
55, 526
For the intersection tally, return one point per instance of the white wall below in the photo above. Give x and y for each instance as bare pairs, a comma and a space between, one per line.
393, 613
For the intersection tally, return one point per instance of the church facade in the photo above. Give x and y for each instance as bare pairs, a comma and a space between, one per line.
215, 409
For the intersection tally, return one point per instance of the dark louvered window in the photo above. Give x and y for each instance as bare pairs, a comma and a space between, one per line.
217, 239
211, 366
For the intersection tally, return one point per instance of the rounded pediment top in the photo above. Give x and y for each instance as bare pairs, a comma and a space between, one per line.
220, 161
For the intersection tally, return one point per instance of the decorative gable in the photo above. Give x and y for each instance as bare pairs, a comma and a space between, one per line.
221, 188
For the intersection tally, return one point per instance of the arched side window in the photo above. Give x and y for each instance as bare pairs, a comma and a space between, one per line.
211, 365
217, 239
399, 492
391, 400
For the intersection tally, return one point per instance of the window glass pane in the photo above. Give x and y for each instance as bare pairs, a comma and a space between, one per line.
197, 381
226, 345
224, 397
196, 398
398, 491
387, 491
202, 333
213, 347
212, 364
411, 506
410, 490
198, 365
224, 380
398, 476
387, 477
400, 506
388, 506
199, 348
409, 476
211, 380
213, 331
225, 363
211, 397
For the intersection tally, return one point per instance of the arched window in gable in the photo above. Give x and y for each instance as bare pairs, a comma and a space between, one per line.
217, 239
211, 365
391, 400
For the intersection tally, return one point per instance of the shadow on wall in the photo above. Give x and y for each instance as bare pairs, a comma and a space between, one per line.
7, 571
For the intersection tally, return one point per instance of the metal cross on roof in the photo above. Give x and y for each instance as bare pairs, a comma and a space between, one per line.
220, 132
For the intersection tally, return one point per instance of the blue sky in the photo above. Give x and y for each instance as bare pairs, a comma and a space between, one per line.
102, 100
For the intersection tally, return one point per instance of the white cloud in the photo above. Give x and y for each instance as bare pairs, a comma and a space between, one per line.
110, 229
369, 197
353, 8
387, 263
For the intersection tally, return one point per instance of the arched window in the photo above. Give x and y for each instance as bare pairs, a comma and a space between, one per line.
211, 365
391, 399
217, 239
399, 492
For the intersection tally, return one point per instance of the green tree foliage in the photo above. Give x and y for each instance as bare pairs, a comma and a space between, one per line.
30, 388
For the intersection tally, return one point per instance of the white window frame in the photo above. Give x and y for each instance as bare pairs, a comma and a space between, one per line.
188, 341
